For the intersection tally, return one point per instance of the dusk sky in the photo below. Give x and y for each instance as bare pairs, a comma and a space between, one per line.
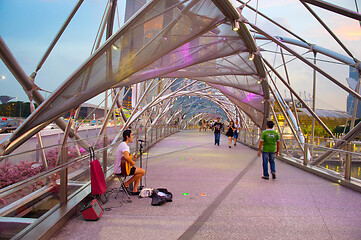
29, 26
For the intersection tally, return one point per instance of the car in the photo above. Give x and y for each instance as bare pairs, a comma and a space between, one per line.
8, 125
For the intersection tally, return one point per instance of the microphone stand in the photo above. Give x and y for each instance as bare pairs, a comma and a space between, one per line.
141, 163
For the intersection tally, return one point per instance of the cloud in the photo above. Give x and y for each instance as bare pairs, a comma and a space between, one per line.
276, 31
351, 32
273, 4
267, 4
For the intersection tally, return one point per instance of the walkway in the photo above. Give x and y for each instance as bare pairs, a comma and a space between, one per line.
237, 203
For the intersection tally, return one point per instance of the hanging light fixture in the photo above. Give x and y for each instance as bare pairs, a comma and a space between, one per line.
235, 25
251, 56
115, 47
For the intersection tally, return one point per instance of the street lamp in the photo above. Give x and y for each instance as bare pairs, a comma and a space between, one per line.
20, 103
10, 108
2, 77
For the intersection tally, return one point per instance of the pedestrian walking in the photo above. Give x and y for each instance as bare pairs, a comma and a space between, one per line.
217, 126
237, 128
270, 146
229, 133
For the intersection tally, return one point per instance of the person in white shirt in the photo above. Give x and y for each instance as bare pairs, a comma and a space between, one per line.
237, 128
123, 151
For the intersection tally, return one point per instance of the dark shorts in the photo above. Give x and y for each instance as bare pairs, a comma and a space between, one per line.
132, 171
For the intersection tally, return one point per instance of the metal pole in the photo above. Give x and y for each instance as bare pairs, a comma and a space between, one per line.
252, 136
329, 30
325, 74
348, 162
138, 103
300, 99
271, 20
105, 136
355, 106
105, 154
279, 129
58, 35
286, 118
145, 134
289, 82
305, 153
40, 141
151, 135
156, 132
64, 176
313, 103
245, 135
28, 87
109, 73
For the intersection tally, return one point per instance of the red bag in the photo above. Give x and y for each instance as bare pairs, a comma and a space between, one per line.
98, 184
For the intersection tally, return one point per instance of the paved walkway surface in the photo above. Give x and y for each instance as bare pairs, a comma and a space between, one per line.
227, 199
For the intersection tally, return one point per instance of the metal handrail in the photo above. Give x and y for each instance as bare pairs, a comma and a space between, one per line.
24, 183
50, 146
333, 149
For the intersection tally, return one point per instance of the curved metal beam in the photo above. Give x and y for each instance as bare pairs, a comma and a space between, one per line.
325, 74
332, 54
334, 8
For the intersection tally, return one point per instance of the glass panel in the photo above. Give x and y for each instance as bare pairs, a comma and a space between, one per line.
133, 48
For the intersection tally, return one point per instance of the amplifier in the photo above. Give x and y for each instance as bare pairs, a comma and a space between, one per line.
92, 211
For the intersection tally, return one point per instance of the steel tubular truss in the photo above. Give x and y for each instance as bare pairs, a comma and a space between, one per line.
194, 67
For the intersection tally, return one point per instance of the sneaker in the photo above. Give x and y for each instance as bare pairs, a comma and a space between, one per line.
229, 146
274, 175
234, 144
264, 177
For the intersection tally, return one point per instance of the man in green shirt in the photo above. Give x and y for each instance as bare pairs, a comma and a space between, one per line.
269, 140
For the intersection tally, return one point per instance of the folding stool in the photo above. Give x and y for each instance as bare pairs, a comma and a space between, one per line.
121, 178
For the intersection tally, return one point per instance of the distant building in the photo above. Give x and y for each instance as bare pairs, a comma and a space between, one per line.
5, 99
89, 111
352, 82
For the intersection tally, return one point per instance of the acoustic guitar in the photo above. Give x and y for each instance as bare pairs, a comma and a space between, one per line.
125, 166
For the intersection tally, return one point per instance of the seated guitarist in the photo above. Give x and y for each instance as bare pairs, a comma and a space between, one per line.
123, 151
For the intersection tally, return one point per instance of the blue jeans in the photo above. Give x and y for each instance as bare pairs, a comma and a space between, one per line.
268, 157
235, 134
217, 136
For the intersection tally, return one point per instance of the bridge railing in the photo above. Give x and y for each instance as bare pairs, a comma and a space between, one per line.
343, 163
45, 189
24, 175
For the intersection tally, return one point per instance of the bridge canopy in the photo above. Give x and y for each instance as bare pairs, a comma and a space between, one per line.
192, 39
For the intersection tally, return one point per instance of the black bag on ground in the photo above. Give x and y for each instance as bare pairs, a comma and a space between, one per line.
157, 199
160, 196
167, 195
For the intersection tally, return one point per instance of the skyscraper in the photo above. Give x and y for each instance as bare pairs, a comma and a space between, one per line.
131, 7
352, 82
